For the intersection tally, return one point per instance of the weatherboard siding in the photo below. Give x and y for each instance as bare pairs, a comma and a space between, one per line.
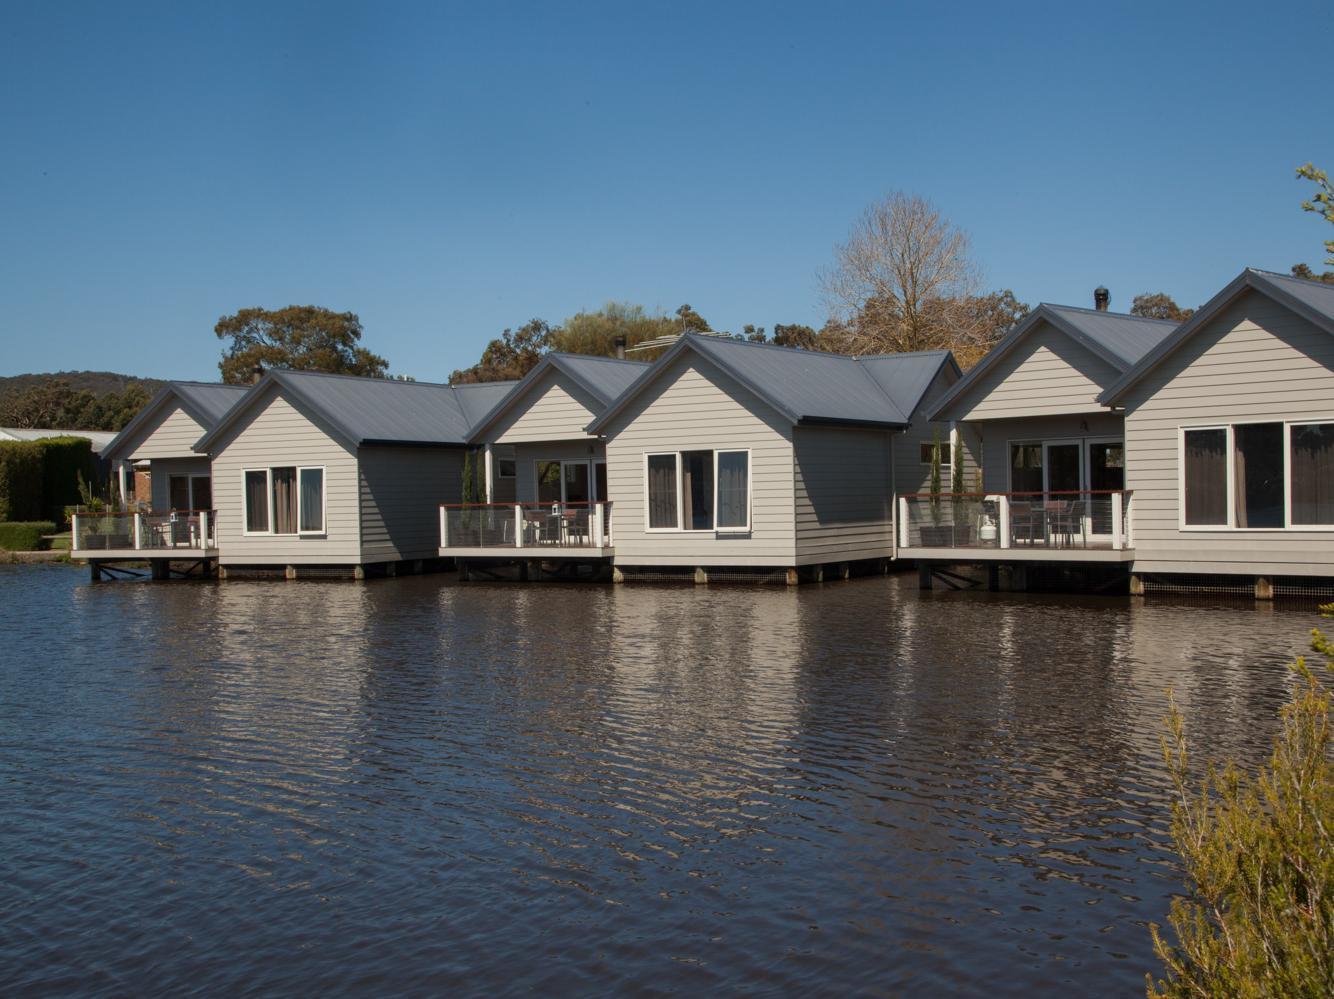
401, 489
911, 474
694, 405
1255, 362
553, 409
844, 494
1046, 374
996, 437
162, 469
277, 433
171, 434
527, 456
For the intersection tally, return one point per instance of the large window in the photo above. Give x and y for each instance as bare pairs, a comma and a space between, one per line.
927, 452
1205, 465
1311, 467
698, 491
284, 500
1258, 476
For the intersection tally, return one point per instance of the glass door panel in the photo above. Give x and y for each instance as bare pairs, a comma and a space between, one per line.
600, 481
1063, 468
1107, 470
575, 476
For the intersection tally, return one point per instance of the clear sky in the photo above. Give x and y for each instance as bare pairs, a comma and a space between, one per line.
446, 171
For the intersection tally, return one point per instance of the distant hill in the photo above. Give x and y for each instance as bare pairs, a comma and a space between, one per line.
96, 382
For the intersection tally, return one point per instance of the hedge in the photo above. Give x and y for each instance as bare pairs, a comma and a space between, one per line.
64, 459
24, 536
21, 480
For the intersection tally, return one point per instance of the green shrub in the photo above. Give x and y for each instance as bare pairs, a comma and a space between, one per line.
1259, 858
64, 459
20, 480
24, 535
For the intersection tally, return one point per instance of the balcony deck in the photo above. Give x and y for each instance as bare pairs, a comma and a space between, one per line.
182, 535
1078, 526
523, 531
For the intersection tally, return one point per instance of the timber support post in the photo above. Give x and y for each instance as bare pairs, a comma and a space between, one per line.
161, 568
1264, 588
924, 575
1136, 585
701, 577
792, 577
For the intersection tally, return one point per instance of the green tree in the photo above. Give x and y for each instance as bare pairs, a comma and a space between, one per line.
1322, 202
690, 320
1159, 305
1305, 272
299, 338
595, 332
510, 356
797, 335
1259, 858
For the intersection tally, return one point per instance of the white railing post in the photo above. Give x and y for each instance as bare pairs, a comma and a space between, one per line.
444, 527
903, 522
1118, 542
138, 531
74, 533
203, 530
518, 525
1004, 520
597, 526
1128, 498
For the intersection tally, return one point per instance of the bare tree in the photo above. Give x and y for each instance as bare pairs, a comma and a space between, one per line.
903, 281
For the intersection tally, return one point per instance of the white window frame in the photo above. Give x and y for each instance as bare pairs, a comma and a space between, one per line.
323, 529
947, 451
1230, 445
268, 493
680, 527
562, 462
500, 465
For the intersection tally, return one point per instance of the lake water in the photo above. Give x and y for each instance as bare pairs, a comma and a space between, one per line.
416, 786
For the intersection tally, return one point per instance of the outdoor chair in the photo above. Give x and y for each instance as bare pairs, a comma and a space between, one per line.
1027, 522
1066, 522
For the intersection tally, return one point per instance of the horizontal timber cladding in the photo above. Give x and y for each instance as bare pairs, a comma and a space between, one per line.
1045, 375
1255, 362
401, 492
277, 433
554, 407
995, 437
694, 405
911, 474
844, 494
170, 434
162, 469
527, 456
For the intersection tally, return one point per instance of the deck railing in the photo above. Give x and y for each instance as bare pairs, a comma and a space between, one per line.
525, 525
149, 532
1087, 519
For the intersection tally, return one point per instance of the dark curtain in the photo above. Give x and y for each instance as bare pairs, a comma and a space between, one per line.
284, 501
1312, 468
1206, 477
312, 499
733, 476
662, 490
256, 501
697, 489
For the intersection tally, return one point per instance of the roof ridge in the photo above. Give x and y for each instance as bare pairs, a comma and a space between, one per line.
938, 351
354, 378
597, 357
765, 346
1104, 312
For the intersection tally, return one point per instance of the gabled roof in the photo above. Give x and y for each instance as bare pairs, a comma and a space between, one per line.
804, 386
205, 402
1115, 337
905, 378
1312, 300
604, 378
371, 411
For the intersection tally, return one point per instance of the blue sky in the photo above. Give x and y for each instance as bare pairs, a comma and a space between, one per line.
446, 171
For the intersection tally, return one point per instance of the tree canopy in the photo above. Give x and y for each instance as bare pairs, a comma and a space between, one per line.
56, 404
1159, 305
299, 338
1322, 204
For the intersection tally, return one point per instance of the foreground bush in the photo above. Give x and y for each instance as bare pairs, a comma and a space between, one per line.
24, 535
1259, 859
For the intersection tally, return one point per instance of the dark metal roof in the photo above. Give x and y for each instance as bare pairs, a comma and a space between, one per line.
1117, 338
206, 402
905, 378
1126, 338
1313, 300
603, 378
366, 411
808, 386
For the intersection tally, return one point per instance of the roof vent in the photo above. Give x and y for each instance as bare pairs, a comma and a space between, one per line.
619, 343
256, 373
1101, 296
